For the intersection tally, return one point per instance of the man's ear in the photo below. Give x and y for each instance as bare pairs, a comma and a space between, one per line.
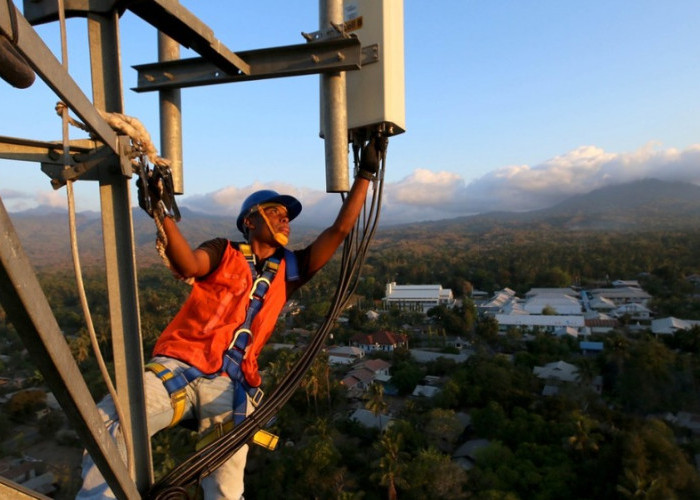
248, 223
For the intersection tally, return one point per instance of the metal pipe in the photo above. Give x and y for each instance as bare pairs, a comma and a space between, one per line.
120, 262
171, 115
334, 117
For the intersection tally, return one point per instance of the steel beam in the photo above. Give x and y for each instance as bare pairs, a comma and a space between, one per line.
26, 306
120, 263
44, 11
185, 28
343, 54
14, 148
45, 64
168, 16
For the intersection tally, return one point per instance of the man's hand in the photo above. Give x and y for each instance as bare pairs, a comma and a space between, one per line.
158, 192
370, 157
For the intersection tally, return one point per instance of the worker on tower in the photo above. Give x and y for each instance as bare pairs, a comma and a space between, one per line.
204, 364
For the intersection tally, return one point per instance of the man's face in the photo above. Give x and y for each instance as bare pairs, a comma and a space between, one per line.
271, 218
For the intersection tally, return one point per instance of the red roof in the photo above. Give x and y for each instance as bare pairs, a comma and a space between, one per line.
383, 337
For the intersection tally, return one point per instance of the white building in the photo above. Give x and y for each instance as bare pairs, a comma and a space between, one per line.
559, 370
500, 300
634, 311
670, 325
417, 297
545, 323
622, 295
560, 303
344, 355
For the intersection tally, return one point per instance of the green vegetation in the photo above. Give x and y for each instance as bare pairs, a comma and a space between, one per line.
576, 444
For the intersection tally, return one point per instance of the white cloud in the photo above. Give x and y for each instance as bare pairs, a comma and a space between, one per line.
524, 187
318, 207
17, 201
428, 195
51, 198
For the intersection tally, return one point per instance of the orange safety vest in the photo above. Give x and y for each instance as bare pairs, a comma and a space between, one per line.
203, 329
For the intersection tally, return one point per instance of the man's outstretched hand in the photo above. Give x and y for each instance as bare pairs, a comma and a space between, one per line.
371, 155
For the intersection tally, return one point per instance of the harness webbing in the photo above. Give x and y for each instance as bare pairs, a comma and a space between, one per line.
175, 383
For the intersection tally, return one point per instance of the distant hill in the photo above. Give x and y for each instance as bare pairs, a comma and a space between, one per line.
637, 206
644, 205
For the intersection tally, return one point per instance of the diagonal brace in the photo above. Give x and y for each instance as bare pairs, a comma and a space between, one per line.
45, 64
26, 307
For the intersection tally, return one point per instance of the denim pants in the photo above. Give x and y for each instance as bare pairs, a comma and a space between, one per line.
210, 401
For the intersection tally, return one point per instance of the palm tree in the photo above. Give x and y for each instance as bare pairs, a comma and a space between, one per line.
584, 440
391, 463
375, 401
636, 486
311, 384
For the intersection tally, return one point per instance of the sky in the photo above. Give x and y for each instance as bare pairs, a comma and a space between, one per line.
510, 105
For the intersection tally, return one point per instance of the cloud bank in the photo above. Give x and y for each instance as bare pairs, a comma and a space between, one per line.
430, 195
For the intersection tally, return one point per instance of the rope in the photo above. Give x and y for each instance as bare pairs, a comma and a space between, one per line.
128, 125
65, 119
142, 151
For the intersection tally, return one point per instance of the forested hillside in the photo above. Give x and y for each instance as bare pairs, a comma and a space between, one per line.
623, 440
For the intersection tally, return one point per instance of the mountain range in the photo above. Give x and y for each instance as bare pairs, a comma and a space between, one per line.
643, 205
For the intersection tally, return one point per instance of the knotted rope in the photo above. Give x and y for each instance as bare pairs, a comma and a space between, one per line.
142, 151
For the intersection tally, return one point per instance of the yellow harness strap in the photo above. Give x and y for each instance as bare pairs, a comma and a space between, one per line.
177, 397
261, 438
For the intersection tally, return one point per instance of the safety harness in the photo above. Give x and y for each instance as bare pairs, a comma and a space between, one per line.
176, 382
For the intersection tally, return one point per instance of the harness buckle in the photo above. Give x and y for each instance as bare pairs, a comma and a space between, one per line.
261, 279
235, 337
256, 397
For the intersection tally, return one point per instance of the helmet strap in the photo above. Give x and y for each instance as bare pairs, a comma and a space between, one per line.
280, 238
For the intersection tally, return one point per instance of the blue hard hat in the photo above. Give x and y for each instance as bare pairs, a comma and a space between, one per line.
292, 205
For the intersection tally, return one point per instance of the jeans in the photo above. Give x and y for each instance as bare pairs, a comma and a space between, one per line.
210, 401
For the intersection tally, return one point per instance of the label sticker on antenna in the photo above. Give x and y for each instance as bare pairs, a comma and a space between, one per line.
353, 24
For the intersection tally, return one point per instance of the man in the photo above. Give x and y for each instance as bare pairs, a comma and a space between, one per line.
205, 361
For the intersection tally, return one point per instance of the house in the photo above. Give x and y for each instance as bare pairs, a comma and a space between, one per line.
622, 295
465, 455
372, 315
427, 391
567, 291
378, 367
670, 325
358, 380
368, 419
599, 303
625, 283
25, 474
564, 331
422, 356
497, 303
417, 297
601, 324
633, 310
542, 322
381, 341
689, 421
344, 355
588, 347
563, 304
558, 371
478, 296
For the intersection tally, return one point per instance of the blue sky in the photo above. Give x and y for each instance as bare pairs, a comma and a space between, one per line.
510, 105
